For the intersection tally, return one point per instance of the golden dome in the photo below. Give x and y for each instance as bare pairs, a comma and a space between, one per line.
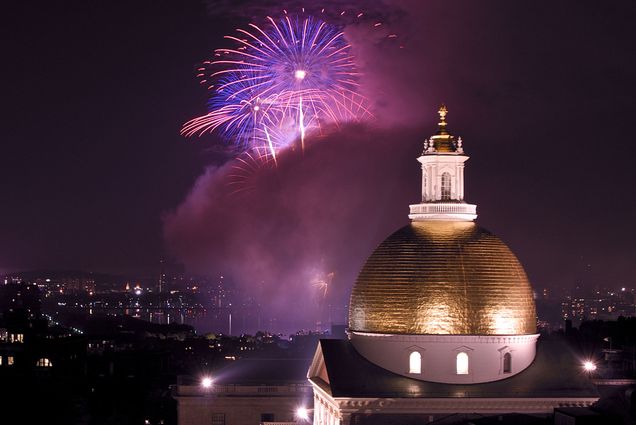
443, 277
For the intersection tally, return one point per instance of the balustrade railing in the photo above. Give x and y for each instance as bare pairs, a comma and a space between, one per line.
443, 208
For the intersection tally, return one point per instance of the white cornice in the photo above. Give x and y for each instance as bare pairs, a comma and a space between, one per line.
495, 339
460, 404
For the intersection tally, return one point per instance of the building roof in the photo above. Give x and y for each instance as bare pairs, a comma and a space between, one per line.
443, 277
555, 373
263, 372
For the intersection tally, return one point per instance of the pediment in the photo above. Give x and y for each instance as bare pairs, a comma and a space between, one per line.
318, 368
463, 348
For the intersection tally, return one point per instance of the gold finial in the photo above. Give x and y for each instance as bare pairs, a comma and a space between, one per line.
442, 115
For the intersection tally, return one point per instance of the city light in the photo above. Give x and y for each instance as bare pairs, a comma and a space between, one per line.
206, 382
302, 413
589, 366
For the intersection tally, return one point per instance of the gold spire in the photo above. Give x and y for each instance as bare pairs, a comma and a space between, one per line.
442, 141
442, 117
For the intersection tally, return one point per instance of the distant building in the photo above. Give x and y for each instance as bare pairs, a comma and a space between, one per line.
20, 296
28, 345
338, 331
601, 304
249, 391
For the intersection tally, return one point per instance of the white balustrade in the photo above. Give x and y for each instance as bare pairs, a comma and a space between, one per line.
443, 208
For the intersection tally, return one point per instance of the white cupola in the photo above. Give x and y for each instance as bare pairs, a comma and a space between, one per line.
443, 178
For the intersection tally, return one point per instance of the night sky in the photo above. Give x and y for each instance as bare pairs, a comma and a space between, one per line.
95, 175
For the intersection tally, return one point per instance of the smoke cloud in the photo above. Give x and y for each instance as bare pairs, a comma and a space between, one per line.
279, 231
315, 216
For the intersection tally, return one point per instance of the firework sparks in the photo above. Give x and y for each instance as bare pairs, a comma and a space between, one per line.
279, 84
322, 283
242, 178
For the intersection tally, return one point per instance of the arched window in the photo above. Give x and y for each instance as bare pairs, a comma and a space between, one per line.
507, 363
462, 363
424, 189
44, 362
415, 362
446, 187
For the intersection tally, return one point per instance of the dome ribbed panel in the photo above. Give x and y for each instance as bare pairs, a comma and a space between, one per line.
442, 277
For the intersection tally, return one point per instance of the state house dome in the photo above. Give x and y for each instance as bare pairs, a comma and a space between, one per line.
444, 277
442, 299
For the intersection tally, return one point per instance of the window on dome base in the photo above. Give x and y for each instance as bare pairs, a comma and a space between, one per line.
462, 363
44, 362
415, 362
507, 363
446, 187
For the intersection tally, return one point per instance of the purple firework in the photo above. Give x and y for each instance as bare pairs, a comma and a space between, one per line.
279, 83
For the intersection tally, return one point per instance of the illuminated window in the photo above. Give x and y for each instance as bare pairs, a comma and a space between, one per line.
462, 363
446, 187
9, 360
0, 360
415, 362
44, 362
16, 338
507, 363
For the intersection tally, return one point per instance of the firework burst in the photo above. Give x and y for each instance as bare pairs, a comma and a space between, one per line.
279, 84
322, 282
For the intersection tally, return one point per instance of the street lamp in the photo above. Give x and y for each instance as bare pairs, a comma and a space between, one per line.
206, 382
302, 413
589, 366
